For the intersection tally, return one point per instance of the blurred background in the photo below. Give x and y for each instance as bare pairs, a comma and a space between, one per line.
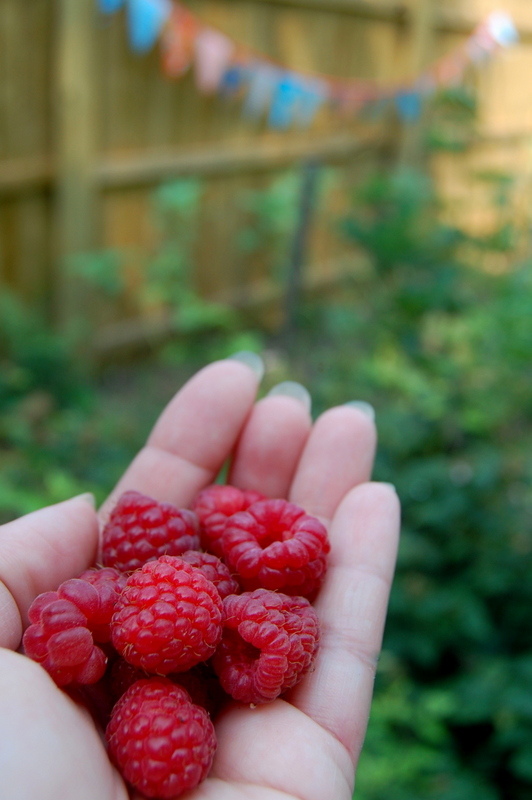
344, 186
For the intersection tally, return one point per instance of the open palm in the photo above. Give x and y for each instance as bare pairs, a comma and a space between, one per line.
303, 746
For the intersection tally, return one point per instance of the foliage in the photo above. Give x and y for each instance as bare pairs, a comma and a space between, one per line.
271, 218
453, 119
442, 350
165, 287
33, 358
61, 432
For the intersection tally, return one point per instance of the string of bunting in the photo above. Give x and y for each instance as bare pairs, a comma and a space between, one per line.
284, 96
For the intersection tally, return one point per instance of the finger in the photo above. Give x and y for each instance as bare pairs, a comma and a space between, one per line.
48, 745
270, 445
338, 455
352, 609
37, 553
193, 436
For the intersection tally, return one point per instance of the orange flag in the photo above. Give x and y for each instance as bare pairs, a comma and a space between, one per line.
177, 42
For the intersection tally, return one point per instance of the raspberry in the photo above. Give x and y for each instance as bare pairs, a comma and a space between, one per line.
214, 570
168, 617
60, 636
269, 642
123, 675
108, 582
141, 529
214, 505
275, 545
162, 743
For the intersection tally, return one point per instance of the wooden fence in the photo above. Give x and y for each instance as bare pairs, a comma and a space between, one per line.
88, 129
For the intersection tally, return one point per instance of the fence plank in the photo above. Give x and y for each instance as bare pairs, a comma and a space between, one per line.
392, 12
421, 54
148, 168
76, 131
90, 146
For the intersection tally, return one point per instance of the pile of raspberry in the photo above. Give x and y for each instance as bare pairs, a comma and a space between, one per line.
190, 608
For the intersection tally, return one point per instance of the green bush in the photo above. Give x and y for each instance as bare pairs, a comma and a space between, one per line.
442, 349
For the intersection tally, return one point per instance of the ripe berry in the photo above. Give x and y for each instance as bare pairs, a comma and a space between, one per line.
214, 570
269, 642
123, 675
108, 582
60, 636
214, 505
276, 545
140, 530
161, 742
168, 617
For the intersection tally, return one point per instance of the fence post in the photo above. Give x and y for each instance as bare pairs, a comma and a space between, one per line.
294, 285
74, 146
422, 53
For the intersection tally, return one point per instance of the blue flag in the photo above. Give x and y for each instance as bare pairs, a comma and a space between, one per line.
263, 78
145, 21
284, 102
232, 80
408, 105
312, 95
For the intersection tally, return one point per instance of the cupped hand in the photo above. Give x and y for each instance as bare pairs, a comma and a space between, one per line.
305, 745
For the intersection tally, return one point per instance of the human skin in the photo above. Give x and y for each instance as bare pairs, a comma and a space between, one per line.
305, 745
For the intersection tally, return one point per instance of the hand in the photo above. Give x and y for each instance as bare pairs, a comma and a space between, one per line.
305, 745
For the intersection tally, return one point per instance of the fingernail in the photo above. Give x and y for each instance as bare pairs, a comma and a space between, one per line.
390, 485
251, 360
366, 408
292, 389
88, 497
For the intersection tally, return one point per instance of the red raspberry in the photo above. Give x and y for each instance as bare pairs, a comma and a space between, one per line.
123, 675
162, 743
214, 505
141, 529
168, 617
108, 582
60, 636
275, 545
269, 642
214, 570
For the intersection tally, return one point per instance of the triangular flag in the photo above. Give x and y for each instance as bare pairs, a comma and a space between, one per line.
408, 105
233, 80
502, 28
146, 19
481, 44
263, 80
177, 42
450, 69
213, 54
284, 101
313, 93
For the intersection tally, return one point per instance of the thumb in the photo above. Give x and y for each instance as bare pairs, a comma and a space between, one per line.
37, 553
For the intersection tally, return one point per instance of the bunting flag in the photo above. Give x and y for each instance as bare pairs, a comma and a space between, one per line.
177, 42
213, 52
146, 19
282, 96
